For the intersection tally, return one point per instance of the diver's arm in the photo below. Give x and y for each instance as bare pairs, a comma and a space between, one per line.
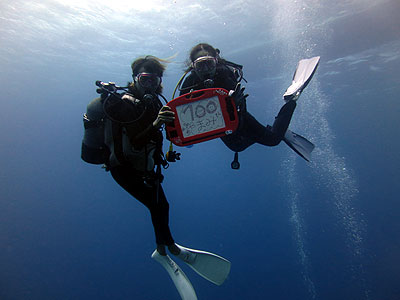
143, 138
165, 115
227, 79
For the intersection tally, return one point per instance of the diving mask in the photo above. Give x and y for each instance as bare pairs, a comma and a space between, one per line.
148, 81
205, 66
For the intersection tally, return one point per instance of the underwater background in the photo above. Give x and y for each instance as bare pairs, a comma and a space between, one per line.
328, 229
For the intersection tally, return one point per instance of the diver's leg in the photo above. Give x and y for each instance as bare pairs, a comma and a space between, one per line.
282, 120
267, 135
245, 135
255, 132
147, 195
160, 218
251, 131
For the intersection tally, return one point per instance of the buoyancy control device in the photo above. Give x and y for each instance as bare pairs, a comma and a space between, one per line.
121, 116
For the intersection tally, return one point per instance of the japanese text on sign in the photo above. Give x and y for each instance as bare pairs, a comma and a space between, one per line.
200, 116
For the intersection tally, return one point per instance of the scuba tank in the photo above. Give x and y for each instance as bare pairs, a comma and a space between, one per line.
94, 150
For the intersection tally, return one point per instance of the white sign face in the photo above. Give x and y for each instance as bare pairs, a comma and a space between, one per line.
200, 116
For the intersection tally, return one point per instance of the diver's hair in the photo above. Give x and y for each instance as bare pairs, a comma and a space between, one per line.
211, 51
151, 64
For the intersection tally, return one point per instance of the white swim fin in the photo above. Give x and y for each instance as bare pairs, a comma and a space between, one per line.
299, 144
208, 265
302, 76
182, 283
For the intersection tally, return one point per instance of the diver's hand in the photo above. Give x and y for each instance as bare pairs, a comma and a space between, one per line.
239, 95
165, 115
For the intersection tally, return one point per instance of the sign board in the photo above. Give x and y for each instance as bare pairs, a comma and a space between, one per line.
202, 115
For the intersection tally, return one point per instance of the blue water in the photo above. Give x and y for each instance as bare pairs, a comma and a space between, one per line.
328, 229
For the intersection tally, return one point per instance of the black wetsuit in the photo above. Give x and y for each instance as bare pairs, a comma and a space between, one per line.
249, 131
151, 196
144, 186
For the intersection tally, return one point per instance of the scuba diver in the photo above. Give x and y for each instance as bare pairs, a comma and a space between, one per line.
206, 69
123, 131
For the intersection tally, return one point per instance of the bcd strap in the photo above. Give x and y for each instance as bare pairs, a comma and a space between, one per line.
92, 123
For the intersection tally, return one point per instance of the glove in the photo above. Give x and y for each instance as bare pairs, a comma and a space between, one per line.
239, 95
165, 115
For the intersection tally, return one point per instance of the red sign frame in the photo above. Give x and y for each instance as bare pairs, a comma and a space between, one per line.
226, 107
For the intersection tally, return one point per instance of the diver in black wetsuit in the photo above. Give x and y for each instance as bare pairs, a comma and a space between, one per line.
123, 131
207, 70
